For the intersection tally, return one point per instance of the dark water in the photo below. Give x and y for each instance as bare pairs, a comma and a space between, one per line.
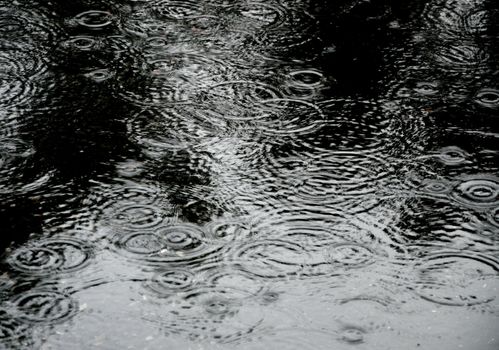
227, 174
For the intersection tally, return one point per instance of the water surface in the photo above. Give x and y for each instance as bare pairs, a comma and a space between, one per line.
228, 174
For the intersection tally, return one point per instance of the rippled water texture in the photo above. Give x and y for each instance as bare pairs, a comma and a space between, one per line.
249, 174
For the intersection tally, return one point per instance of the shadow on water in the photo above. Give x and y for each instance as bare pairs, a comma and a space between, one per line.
242, 174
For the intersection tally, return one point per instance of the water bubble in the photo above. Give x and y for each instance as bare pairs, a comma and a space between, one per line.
168, 282
94, 19
458, 279
478, 191
488, 98
46, 307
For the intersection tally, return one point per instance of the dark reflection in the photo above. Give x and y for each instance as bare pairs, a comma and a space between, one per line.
245, 174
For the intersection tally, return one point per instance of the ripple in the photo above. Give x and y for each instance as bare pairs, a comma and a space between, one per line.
461, 57
94, 19
169, 129
478, 191
458, 279
82, 43
309, 78
452, 155
15, 91
99, 75
12, 331
180, 243
137, 216
436, 187
352, 335
288, 117
494, 217
141, 243
51, 255
32, 26
262, 15
46, 307
176, 10
172, 281
488, 98
270, 258
351, 255
19, 61
183, 239
331, 174
239, 94
229, 229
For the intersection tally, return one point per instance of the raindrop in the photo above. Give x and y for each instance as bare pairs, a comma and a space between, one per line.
176, 10
265, 15
452, 155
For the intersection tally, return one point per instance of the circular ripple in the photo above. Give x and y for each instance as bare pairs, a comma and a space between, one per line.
478, 191
141, 243
494, 217
137, 216
31, 25
21, 62
452, 155
307, 78
352, 335
51, 255
46, 307
488, 98
99, 75
262, 15
288, 117
15, 91
457, 279
169, 282
176, 10
346, 173
11, 329
35, 260
183, 239
436, 187
94, 19
82, 43
351, 255
270, 258
239, 94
